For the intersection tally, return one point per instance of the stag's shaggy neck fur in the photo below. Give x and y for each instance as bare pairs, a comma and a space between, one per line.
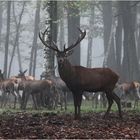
67, 72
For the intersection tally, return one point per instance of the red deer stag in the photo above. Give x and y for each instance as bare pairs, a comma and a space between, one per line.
80, 79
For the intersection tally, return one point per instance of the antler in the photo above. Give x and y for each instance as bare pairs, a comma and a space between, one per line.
42, 38
80, 38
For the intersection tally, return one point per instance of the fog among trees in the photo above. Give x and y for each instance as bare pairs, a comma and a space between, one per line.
112, 38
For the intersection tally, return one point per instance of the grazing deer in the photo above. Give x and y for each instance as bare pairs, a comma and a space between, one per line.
80, 79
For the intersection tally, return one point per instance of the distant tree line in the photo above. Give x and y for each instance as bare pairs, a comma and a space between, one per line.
116, 22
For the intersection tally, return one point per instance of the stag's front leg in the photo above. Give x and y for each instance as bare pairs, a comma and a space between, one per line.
75, 106
65, 100
79, 99
15, 100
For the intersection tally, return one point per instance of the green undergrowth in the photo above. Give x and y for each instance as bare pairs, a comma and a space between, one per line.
86, 107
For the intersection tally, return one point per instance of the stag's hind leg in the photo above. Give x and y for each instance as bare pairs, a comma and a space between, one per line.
110, 102
118, 102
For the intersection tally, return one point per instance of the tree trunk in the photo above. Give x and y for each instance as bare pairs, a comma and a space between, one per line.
138, 36
19, 57
18, 23
61, 25
90, 36
1, 19
109, 50
32, 65
73, 33
107, 21
37, 20
52, 35
7, 38
118, 38
130, 61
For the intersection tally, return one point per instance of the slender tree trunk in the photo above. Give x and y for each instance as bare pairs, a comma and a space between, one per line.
19, 57
16, 43
32, 65
73, 33
7, 38
61, 18
118, 38
1, 19
138, 37
37, 20
107, 21
90, 36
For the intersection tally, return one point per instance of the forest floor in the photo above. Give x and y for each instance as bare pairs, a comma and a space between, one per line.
57, 126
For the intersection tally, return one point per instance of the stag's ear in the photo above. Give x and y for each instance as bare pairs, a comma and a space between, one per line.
69, 53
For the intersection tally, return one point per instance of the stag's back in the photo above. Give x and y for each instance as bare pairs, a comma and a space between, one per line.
95, 79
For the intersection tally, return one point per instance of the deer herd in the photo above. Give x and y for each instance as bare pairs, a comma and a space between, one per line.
52, 90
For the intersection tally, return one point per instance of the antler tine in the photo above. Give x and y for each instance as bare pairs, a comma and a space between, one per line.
42, 38
80, 38
55, 45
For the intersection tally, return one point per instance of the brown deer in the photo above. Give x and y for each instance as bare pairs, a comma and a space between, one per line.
38, 89
60, 87
7, 87
80, 79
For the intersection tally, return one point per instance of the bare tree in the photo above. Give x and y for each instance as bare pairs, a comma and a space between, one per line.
73, 23
61, 23
7, 38
16, 42
130, 61
32, 65
51, 23
1, 18
118, 37
90, 35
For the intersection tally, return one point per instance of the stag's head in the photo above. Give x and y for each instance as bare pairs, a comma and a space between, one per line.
61, 54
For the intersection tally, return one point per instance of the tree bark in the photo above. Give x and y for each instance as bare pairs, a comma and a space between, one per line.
52, 36
90, 36
32, 65
73, 33
130, 61
61, 25
1, 19
118, 37
107, 21
16, 43
7, 38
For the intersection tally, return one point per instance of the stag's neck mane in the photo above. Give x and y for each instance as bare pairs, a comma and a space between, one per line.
66, 71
